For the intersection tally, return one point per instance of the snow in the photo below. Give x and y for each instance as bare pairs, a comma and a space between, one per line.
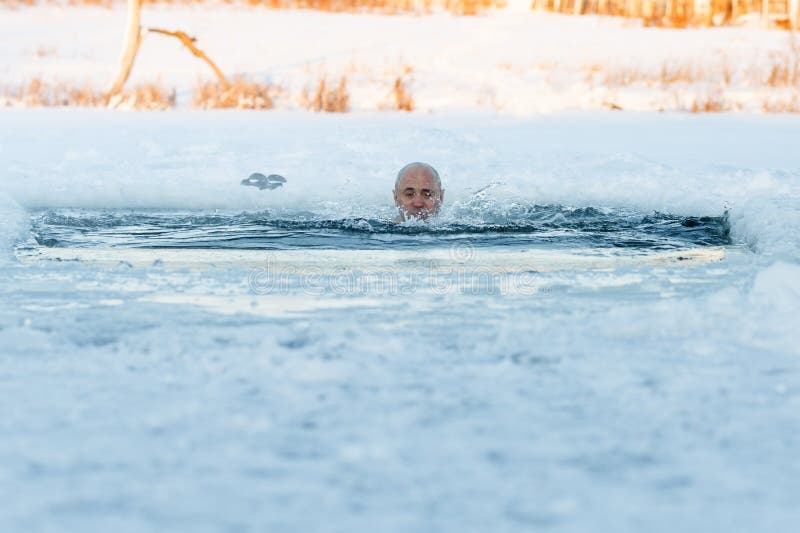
140, 396
513, 61
14, 223
646, 397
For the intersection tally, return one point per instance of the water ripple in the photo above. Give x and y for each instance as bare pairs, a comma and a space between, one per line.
518, 225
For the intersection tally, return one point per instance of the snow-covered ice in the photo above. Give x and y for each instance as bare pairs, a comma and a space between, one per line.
656, 398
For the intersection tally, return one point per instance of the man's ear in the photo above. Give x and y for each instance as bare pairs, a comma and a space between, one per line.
394, 194
441, 197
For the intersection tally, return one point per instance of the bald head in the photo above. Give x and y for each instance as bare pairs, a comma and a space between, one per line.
418, 167
418, 191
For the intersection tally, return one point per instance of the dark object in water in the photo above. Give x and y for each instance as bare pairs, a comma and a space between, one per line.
257, 179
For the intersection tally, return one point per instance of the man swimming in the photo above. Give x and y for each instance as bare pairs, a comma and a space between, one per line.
418, 192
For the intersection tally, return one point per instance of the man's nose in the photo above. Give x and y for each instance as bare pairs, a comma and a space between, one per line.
418, 202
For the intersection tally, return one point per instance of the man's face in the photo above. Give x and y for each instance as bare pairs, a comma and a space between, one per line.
417, 194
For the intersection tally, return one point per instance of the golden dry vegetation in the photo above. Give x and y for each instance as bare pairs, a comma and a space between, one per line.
403, 101
40, 93
714, 102
778, 70
399, 97
323, 95
668, 13
680, 13
239, 93
326, 96
787, 104
457, 7
713, 83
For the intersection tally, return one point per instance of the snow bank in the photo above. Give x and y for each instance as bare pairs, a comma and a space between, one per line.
777, 289
14, 225
769, 225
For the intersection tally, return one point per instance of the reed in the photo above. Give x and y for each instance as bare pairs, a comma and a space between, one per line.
782, 105
400, 98
666, 13
239, 93
715, 102
148, 96
326, 97
780, 69
45, 51
13, 4
40, 93
784, 70
389, 7
681, 13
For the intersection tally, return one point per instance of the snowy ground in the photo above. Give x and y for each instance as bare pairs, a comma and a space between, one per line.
641, 399
514, 61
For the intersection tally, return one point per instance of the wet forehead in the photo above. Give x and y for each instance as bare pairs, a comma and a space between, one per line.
417, 178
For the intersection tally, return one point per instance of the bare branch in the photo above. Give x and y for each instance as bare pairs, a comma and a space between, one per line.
188, 42
134, 34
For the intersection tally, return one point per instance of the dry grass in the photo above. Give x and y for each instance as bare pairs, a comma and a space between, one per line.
238, 94
148, 96
389, 7
785, 105
711, 103
456, 7
338, 6
612, 106
44, 51
39, 93
13, 4
670, 73
98, 3
666, 13
703, 102
399, 97
780, 69
784, 70
326, 97
671, 13
402, 97
472, 7
710, 83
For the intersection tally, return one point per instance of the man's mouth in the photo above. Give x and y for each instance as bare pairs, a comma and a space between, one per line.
418, 213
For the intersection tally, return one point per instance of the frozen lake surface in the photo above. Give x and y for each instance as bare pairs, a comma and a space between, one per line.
602, 388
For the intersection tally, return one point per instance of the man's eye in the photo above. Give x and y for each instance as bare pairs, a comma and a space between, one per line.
426, 194
409, 195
